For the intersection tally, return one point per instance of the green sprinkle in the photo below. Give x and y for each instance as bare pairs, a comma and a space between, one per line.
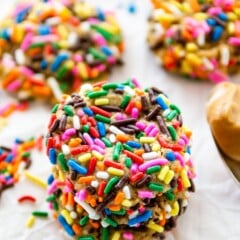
103, 119
172, 132
172, 115
62, 161
108, 86
156, 187
85, 128
61, 72
40, 214
176, 108
68, 110
51, 198
128, 162
110, 221
153, 169
117, 151
126, 147
37, 45
55, 108
169, 195
83, 221
97, 94
55, 206
106, 142
139, 135
105, 234
64, 86
107, 35
111, 183
125, 101
97, 54
86, 237
129, 83
26, 155
120, 212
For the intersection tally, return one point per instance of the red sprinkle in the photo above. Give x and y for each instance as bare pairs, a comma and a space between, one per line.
50, 144
100, 111
99, 84
92, 121
136, 177
80, 149
174, 147
83, 120
93, 132
91, 166
52, 120
137, 159
27, 198
129, 107
101, 188
109, 163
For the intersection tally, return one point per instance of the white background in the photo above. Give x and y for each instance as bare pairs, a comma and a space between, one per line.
214, 210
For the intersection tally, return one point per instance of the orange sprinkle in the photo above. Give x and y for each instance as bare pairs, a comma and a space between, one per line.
138, 105
113, 207
194, 5
122, 138
64, 199
100, 199
100, 166
94, 224
86, 180
77, 229
74, 142
13, 75
42, 91
99, 84
70, 200
11, 108
119, 198
139, 152
163, 221
139, 92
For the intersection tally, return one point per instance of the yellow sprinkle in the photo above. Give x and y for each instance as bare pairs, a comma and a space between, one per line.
237, 11
69, 64
165, 17
175, 209
232, 16
193, 59
62, 31
84, 157
3, 122
200, 16
35, 179
82, 68
186, 8
30, 221
97, 155
163, 173
101, 101
61, 175
231, 28
156, 147
116, 236
127, 203
115, 171
63, 44
147, 139
109, 28
165, 99
185, 179
65, 13
67, 216
169, 176
185, 67
155, 227
191, 47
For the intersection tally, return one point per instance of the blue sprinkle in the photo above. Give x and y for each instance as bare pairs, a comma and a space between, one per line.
50, 179
107, 211
18, 141
43, 64
101, 129
134, 144
132, 8
188, 150
44, 30
211, 22
223, 16
170, 156
22, 15
100, 14
77, 167
7, 178
9, 158
140, 218
217, 33
5, 34
88, 111
52, 156
106, 51
161, 103
1, 151
58, 61
65, 225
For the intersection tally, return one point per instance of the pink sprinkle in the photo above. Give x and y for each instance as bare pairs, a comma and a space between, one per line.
170, 32
140, 125
67, 189
217, 76
99, 40
26, 41
64, 137
136, 83
149, 128
13, 86
181, 142
111, 59
154, 132
81, 195
8, 62
54, 185
26, 71
205, 27
156, 162
77, 58
93, 20
4, 108
88, 139
50, 205
74, 71
128, 236
180, 158
98, 149
145, 194
44, 38
234, 41
185, 139
101, 68
120, 116
142, 209
80, 113
214, 11
100, 143
134, 113
70, 131
134, 168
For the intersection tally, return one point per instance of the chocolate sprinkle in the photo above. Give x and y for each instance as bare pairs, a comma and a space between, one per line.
153, 113
145, 104
124, 122
111, 108
63, 122
162, 125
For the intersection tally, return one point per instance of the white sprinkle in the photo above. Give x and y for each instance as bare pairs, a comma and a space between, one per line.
53, 84
127, 192
201, 38
129, 90
85, 26
167, 208
104, 224
53, 21
225, 55
207, 63
76, 122
102, 175
150, 155
187, 194
166, 112
65, 149
23, 95
112, 138
174, 9
20, 56
168, 215
69, 208
85, 88
184, 203
92, 213
89, 58
187, 156
134, 214
115, 130
72, 38
94, 184
73, 215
